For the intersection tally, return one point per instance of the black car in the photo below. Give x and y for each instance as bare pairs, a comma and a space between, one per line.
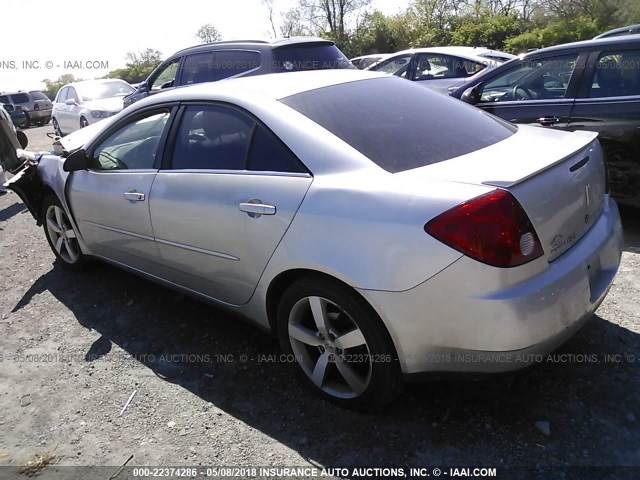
217, 61
590, 85
19, 117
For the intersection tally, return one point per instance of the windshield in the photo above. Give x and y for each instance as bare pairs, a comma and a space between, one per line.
297, 57
408, 127
99, 90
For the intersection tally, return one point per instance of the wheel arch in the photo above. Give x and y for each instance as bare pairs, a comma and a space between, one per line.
284, 280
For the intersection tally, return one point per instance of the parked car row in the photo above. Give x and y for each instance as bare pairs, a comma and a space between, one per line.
30, 108
369, 237
363, 246
592, 85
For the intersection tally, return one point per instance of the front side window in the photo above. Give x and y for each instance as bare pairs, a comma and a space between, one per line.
543, 79
166, 78
212, 137
4, 98
133, 146
616, 74
430, 66
408, 127
62, 95
71, 94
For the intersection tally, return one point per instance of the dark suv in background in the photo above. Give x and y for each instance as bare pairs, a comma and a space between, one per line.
217, 61
34, 103
591, 85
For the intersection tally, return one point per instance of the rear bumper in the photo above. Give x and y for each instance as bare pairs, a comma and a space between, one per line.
36, 115
471, 317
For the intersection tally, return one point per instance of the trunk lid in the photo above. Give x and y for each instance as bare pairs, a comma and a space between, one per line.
558, 178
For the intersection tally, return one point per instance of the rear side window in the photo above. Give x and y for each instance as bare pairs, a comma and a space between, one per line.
228, 63
616, 74
406, 126
38, 95
20, 98
299, 57
212, 137
269, 154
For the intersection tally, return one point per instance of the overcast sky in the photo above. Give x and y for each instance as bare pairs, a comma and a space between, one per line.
72, 32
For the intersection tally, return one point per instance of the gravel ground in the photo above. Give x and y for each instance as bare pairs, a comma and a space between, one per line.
74, 347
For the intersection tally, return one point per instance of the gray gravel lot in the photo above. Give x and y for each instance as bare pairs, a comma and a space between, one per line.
74, 347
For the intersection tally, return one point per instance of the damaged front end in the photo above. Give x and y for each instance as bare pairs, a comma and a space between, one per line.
23, 165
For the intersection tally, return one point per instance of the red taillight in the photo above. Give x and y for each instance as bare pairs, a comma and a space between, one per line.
492, 228
36, 106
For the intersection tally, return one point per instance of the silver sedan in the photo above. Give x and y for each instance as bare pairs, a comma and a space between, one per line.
377, 240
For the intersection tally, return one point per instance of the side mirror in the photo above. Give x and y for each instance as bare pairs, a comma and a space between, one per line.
70, 101
471, 95
22, 139
76, 161
143, 86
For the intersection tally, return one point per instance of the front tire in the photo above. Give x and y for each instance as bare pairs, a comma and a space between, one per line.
61, 236
56, 128
83, 122
338, 341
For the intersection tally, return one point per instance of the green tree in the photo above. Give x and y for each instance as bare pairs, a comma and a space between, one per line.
208, 34
139, 66
491, 31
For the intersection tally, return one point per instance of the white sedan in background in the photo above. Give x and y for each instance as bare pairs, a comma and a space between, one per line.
82, 103
440, 68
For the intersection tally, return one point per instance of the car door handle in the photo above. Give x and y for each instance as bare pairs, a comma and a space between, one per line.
134, 196
257, 209
548, 120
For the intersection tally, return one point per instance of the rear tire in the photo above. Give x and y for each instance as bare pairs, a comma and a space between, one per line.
62, 237
339, 343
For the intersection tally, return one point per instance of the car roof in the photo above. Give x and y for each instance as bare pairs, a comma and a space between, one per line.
277, 43
604, 42
97, 80
274, 85
457, 51
620, 31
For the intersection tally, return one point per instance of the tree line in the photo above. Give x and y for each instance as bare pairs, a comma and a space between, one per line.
513, 26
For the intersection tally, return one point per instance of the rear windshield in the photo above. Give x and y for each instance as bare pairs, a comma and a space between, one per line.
297, 57
400, 125
38, 95
20, 98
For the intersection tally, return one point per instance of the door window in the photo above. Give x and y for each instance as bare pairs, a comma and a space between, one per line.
133, 146
212, 137
62, 95
228, 63
430, 66
167, 76
269, 154
71, 93
396, 66
616, 74
198, 68
542, 79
